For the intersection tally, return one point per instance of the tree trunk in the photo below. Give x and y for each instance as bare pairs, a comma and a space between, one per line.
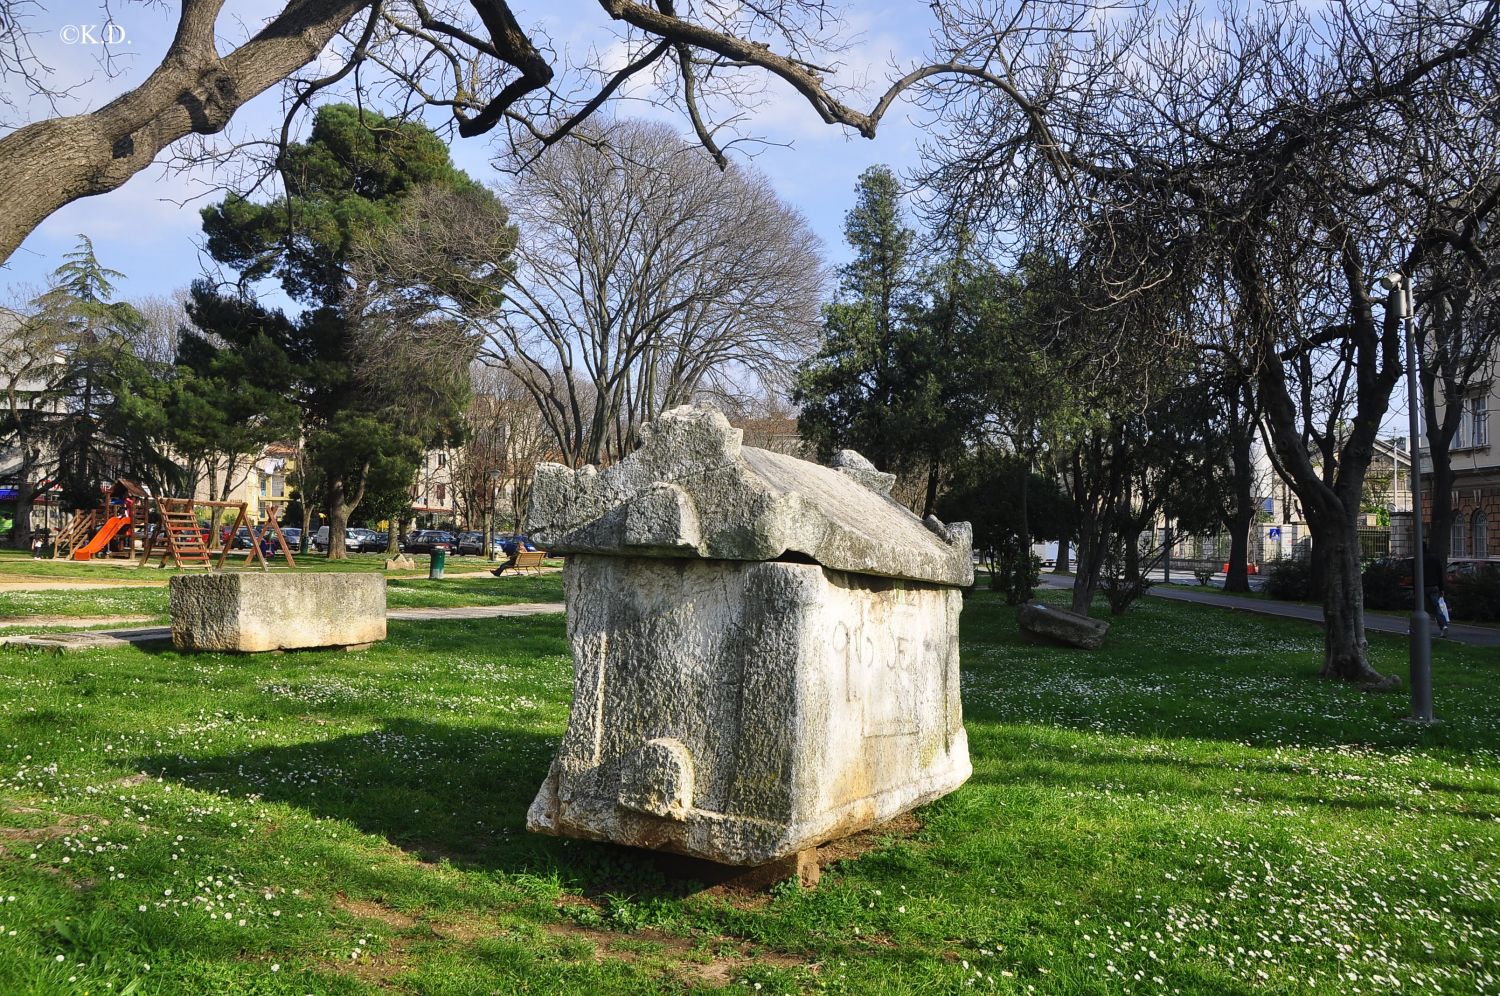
54, 162
1062, 557
1439, 534
392, 537
20, 529
1345, 651
1242, 514
338, 516
1238, 578
1090, 560
929, 503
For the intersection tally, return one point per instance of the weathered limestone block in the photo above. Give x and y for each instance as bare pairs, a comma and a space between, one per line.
765, 650
693, 491
1062, 626
744, 711
250, 612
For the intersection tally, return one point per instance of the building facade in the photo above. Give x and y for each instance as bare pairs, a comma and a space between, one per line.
1476, 477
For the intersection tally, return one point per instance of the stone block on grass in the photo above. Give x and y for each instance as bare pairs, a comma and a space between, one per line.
765, 651
1061, 626
256, 612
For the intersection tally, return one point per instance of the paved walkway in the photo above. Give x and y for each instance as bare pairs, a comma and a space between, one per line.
1375, 622
25, 582
94, 639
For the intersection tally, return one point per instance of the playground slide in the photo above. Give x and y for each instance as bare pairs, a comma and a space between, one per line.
101, 538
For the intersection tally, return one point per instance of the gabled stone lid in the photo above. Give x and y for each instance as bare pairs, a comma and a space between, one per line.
692, 491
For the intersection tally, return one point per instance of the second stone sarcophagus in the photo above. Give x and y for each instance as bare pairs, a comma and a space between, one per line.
765, 650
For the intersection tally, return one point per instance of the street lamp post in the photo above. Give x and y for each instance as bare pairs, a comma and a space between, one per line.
1399, 296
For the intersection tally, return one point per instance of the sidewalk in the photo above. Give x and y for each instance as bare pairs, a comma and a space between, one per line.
1375, 622
96, 638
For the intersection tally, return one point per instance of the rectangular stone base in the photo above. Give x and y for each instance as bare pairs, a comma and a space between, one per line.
745, 711
256, 612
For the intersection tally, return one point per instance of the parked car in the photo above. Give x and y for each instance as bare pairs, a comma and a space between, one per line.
1472, 568
293, 536
370, 539
508, 545
474, 543
353, 541
428, 540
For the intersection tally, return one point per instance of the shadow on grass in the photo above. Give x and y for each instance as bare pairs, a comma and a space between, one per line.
439, 793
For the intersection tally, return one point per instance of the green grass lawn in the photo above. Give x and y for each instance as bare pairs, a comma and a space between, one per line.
1188, 811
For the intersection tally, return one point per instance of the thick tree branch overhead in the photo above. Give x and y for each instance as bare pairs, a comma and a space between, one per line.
479, 62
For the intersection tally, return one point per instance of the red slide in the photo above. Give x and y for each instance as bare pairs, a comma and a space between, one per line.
102, 537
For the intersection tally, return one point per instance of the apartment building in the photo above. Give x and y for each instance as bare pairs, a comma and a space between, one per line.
1476, 476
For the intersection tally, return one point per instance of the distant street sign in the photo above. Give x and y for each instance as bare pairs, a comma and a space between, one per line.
1274, 532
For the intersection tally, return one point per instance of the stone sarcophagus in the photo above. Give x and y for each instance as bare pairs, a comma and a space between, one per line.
765, 650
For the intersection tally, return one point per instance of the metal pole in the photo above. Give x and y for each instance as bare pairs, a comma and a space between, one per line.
1420, 651
1166, 527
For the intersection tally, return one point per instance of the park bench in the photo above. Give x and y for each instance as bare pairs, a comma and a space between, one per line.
522, 560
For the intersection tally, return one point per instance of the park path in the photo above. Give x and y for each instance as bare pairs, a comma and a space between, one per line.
95, 638
24, 582
1375, 622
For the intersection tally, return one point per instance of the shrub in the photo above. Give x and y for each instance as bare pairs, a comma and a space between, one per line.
1204, 574
1475, 598
1120, 581
1289, 580
1017, 571
1382, 584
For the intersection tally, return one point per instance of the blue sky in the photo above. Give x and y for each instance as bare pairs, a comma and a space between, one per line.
143, 230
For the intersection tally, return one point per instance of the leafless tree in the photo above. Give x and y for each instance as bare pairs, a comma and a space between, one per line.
505, 441
1290, 155
645, 278
472, 60
163, 317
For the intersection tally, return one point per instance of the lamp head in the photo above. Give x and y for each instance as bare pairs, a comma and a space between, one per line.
1392, 280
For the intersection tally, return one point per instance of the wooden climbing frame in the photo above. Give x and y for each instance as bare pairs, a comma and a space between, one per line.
186, 544
182, 534
256, 535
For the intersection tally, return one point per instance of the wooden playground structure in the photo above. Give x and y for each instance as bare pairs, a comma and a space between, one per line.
109, 530
176, 533
186, 541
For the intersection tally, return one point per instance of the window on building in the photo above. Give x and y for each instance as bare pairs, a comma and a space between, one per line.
261, 483
1481, 534
1479, 420
442, 459
1456, 537
278, 486
1458, 437
442, 492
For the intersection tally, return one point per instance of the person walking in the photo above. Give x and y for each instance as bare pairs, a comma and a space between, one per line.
1433, 582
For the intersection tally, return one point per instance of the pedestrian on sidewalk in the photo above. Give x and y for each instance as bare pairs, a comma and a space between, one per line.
1436, 594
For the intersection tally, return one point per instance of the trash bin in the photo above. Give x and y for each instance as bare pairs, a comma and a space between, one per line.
435, 567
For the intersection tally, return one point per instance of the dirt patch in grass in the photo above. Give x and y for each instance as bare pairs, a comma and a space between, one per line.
367, 909
693, 964
62, 826
72, 622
